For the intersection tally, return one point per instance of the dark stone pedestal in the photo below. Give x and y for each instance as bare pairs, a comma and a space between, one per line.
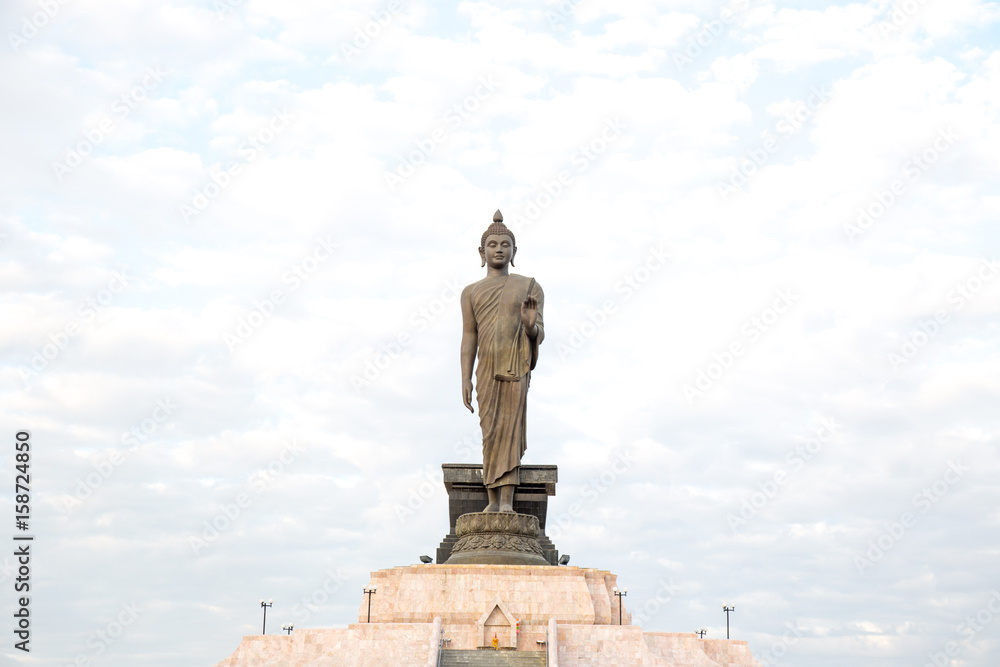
467, 495
497, 538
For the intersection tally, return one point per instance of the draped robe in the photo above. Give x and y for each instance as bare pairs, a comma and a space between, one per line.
504, 349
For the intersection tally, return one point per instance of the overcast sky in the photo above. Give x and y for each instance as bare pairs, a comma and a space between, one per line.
232, 236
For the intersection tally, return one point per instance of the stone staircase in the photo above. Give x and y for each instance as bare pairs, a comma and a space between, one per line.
491, 658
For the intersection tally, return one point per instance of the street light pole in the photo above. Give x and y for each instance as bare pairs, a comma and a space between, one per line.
370, 592
288, 628
727, 608
620, 595
265, 605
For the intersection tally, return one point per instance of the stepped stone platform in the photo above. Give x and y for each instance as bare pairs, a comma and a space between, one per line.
569, 612
488, 658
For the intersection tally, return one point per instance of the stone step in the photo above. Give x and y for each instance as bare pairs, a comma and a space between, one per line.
491, 658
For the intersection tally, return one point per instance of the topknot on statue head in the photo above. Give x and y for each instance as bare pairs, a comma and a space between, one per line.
497, 228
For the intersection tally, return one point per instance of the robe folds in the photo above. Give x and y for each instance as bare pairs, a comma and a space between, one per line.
505, 358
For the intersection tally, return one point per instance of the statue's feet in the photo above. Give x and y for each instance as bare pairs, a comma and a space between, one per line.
492, 507
507, 507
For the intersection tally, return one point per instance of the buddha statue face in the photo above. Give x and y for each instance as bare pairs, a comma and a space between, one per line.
497, 251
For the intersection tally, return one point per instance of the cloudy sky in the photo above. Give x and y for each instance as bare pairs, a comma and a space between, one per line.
232, 234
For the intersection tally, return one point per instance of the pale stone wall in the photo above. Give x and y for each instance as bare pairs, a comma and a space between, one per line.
409, 598
604, 645
681, 648
359, 645
730, 653
459, 594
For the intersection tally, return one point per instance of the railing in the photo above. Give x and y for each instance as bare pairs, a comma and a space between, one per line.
441, 647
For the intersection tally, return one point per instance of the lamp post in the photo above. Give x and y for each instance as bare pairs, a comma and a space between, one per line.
619, 594
727, 608
370, 592
265, 605
701, 633
288, 628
